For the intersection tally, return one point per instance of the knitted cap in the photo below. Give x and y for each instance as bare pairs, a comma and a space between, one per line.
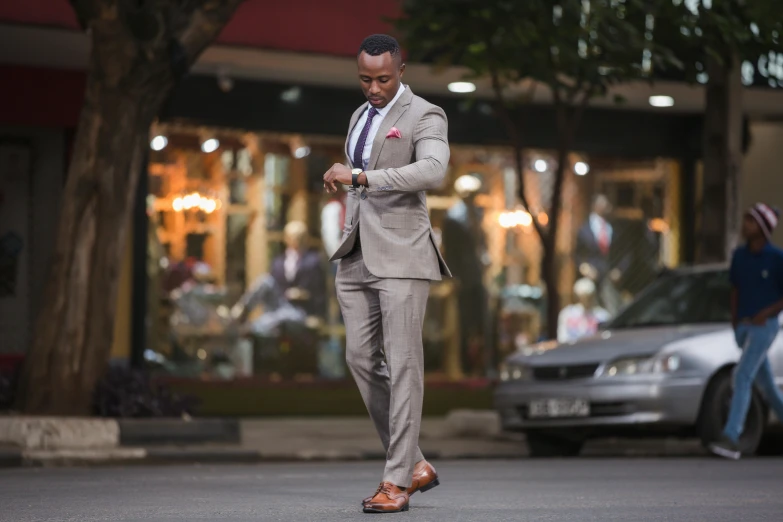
766, 216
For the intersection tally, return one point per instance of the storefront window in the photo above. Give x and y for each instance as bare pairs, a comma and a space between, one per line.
242, 237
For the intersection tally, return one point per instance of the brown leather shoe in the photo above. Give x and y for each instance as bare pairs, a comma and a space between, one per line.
424, 479
389, 499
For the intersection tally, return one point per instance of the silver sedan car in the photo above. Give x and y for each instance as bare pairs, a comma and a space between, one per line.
662, 367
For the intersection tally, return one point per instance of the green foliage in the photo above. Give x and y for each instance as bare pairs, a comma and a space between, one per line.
579, 49
721, 29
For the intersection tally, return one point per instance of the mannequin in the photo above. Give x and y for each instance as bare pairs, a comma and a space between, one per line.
582, 318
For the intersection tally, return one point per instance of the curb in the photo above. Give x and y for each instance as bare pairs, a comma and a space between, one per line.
148, 432
11, 458
162, 456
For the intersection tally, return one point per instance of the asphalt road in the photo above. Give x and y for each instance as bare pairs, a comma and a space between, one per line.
690, 489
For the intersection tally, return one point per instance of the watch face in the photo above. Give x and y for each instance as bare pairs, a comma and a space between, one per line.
356, 171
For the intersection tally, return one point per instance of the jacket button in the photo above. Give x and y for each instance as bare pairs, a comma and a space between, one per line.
364, 195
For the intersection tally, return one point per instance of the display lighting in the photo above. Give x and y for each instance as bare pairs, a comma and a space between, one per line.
540, 165
581, 168
210, 145
515, 218
159, 143
195, 201
301, 152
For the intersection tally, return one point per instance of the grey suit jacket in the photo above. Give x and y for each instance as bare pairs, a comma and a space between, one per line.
396, 234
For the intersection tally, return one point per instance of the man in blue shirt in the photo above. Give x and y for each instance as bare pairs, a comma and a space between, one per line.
756, 300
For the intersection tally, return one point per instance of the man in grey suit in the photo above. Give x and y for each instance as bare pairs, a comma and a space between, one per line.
398, 147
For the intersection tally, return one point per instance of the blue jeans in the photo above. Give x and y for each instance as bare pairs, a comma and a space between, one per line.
753, 365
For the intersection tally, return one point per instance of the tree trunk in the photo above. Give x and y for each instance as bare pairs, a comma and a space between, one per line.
549, 269
720, 200
75, 326
139, 50
550, 277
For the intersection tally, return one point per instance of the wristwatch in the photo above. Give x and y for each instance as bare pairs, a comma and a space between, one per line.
355, 177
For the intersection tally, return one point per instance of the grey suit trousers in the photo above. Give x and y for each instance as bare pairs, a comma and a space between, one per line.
385, 353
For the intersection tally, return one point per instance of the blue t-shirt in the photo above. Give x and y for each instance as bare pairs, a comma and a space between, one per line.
758, 278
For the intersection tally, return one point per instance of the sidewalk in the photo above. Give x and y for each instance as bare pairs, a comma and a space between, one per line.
356, 438
331, 439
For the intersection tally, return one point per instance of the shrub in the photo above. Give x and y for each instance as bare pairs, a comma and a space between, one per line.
125, 392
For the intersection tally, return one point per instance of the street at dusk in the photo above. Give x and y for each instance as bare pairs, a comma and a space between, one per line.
615, 489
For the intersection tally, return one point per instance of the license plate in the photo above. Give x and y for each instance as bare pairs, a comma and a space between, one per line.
555, 408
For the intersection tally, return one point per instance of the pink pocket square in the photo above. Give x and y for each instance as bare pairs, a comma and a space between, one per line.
394, 132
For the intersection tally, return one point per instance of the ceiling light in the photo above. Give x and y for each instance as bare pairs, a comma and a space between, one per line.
462, 87
540, 165
224, 81
467, 184
159, 142
291, 95
301, 152
581, 168
661, 101
210, 145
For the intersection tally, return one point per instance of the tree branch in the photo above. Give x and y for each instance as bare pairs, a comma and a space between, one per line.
87, 10
543, 235
204, 25
579, 111
501, 110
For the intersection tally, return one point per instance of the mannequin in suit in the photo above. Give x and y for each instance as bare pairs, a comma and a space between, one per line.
596, 254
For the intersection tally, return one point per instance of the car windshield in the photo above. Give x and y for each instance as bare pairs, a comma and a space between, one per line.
680, 298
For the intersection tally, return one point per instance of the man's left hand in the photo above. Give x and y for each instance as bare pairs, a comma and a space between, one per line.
339, 173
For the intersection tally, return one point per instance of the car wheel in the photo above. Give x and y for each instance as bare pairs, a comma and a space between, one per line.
771, 444
715, 413
552, 444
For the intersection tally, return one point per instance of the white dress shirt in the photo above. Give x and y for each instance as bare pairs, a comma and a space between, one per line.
291, 264
596, 223
376, 124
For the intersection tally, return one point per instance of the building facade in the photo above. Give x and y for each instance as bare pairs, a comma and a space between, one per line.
239, 151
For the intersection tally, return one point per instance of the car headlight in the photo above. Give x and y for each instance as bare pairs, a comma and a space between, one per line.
642, 365
515, 372
667, 364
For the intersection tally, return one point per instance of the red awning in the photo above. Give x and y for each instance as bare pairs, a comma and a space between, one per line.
315, 26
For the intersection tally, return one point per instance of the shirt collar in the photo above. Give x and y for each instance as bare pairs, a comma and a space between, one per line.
767, 248
384, 111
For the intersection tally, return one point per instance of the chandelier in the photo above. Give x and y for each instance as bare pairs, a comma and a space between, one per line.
195, 201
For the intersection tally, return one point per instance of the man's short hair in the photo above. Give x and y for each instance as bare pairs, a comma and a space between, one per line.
377, 44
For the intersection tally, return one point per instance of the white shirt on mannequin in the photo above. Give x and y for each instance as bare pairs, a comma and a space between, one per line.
291, 264
596, 223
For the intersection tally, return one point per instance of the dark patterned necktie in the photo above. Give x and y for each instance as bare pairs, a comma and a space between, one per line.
358, 152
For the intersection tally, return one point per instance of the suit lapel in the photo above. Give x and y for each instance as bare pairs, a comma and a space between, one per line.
397, 110
354, 120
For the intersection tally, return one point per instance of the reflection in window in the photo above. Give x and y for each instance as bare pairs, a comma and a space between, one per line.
694, 298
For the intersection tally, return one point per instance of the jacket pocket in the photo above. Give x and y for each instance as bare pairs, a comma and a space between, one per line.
396, 220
